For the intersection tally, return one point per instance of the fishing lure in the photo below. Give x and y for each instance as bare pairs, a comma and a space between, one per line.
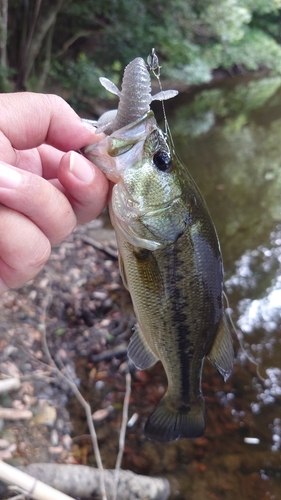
134, 97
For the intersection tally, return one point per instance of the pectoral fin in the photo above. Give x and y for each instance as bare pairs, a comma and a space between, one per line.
148, 270
222, 354
139, 352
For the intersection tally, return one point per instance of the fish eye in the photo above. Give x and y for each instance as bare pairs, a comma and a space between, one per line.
162, 161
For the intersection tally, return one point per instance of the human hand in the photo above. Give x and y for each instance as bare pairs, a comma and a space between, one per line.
44, 192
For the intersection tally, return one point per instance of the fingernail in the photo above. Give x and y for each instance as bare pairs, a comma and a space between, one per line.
9, 178
81, 168
89, 125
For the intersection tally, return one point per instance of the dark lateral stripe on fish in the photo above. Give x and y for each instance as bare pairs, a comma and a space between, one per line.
190, 368
181, 332
184, 345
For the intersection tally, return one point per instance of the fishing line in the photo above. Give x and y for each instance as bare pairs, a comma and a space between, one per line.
153, 66
239, 336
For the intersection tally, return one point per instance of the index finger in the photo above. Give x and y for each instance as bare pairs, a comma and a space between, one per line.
28, 120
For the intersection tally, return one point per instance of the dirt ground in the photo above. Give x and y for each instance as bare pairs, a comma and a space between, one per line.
77, 301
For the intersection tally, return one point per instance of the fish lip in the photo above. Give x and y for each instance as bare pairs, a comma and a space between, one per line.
104, 154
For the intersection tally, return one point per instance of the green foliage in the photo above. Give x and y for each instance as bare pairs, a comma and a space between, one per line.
254, 50
227, 19
5, 76
80, 77
99, 37
194, 73
262, 6
81, 74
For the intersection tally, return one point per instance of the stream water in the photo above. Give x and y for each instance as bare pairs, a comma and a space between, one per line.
229, 137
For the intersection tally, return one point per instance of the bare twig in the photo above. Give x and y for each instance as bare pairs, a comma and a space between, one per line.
100, 246
88, 412
81, 400
122, 432
70, 41
119, 350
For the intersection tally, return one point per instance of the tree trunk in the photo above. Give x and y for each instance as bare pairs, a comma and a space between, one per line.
32, 42
3, 34
41, 29
47, 62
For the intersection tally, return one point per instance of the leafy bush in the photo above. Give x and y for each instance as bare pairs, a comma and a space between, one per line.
256, 49
76, 42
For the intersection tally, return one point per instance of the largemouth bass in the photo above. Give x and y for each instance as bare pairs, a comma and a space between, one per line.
169, 256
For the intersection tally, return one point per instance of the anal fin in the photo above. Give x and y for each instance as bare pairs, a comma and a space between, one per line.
222, 354
139, 352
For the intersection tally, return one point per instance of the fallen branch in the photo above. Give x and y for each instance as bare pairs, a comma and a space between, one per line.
83, 481
36, 489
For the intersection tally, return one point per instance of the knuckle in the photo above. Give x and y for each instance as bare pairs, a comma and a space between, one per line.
58, 103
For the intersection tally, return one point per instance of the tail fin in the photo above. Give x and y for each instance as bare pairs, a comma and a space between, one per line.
168, 422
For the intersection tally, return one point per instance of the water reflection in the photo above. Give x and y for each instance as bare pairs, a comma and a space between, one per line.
229, 138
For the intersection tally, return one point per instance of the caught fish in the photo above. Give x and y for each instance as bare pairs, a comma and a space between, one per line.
169, 256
